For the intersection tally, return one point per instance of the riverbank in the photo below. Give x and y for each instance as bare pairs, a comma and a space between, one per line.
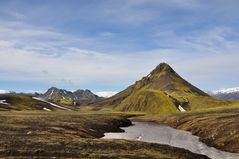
162, 134
74, 135
217, 128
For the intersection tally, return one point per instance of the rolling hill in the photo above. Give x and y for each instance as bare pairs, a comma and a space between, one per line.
162, 91
20, 102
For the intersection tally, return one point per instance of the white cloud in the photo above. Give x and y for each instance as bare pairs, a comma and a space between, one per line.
139, 12
4, 91
78, 66
84, 66
16, 15
5, 43
106, 94
42, 54
106, 34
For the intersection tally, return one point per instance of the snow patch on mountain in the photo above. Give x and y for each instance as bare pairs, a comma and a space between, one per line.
4, 102
181, 109
226, 90
53, 104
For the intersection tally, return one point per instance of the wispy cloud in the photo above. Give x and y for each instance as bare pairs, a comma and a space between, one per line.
75, 65
118, 42
15, 15
106, 34
4, 91
106, 93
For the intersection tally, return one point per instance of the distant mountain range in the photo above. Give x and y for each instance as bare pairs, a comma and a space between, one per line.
226, 94
53, 99
64, 97
161, 91
10, 100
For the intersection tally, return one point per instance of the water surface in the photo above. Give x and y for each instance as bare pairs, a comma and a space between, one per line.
162, 134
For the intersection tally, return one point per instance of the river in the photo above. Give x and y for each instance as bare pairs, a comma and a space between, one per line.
163, 134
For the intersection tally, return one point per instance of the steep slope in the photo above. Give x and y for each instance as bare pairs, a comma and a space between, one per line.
65, 97
148, 100
21, 102
85, 95
162, 91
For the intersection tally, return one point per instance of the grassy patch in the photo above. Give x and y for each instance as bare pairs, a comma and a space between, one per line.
65, 102
21, 102
149, 101
74, 135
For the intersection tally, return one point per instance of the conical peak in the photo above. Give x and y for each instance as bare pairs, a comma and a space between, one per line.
79, 91
163, 67
53, 88
82, 91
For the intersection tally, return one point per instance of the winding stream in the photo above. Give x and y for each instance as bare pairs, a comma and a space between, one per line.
162, 134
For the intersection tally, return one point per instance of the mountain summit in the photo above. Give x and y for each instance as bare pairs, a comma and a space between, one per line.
165, 78
161, 91
162, 67
65, 97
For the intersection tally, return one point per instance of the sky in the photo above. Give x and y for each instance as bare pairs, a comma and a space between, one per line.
106, 45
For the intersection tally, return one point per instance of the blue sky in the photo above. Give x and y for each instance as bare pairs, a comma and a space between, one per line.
106, 45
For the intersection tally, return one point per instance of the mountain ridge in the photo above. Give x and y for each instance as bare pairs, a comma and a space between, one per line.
65, 97
226, 94
162, 90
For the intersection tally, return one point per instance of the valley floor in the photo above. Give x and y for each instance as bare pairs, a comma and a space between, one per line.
74, 135
216, 127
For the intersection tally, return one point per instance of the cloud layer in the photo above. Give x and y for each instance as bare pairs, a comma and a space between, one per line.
117, 43
106, 94
3, 91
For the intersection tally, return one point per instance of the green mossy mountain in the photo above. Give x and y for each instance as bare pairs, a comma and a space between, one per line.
162, 91
20, 102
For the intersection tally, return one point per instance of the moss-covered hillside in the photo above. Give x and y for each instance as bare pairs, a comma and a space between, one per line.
162, 91
19, 102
